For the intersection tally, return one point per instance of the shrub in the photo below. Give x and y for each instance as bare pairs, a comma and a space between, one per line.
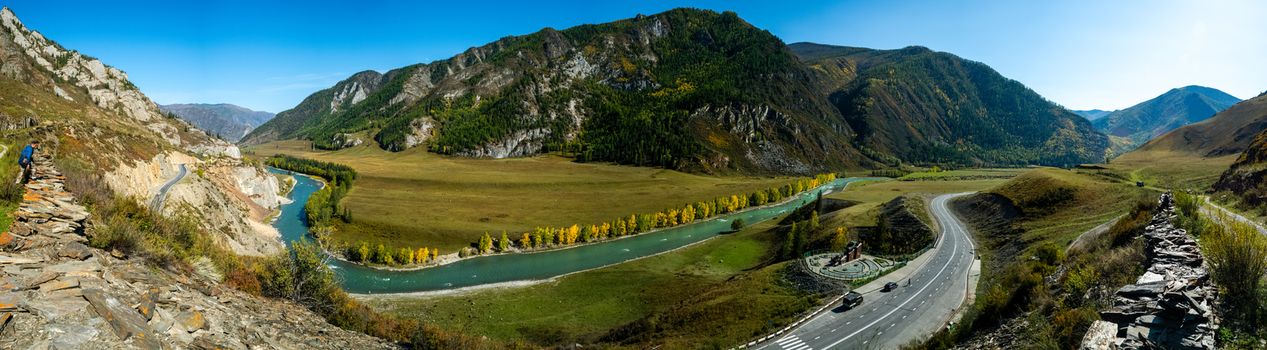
737, 225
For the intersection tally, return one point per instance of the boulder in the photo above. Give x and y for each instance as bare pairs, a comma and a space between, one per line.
125, 321
74, 250
191, 320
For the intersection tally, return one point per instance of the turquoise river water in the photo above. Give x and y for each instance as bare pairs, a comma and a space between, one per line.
523, 267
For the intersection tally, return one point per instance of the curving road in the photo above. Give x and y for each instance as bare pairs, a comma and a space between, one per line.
156, 204
890, 320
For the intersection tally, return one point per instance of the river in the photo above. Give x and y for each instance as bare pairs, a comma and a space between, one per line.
522, 267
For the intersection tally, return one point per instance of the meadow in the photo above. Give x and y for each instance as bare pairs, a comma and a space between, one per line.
415, 198
717, 293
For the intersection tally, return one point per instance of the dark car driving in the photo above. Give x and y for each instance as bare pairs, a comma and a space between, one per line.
889, 287
851, 299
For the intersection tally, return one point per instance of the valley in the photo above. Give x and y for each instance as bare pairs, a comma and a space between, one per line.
415, 198
661, 175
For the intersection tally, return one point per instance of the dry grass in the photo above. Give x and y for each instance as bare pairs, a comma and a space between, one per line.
415, 198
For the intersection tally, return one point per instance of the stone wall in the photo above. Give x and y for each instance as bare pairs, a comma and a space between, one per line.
1172, 305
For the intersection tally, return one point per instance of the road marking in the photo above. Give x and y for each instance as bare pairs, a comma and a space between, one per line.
793, 342
939, 210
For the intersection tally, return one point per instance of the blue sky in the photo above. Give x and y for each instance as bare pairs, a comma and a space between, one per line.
269, 55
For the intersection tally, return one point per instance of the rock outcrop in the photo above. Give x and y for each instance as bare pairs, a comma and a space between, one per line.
1172, 305
57, 293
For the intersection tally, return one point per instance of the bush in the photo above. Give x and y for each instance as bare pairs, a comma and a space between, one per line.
737, 225
1237, 254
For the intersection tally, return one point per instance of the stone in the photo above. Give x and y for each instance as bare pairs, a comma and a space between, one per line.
7, 239
37, 280
146, 307
75, 250
125, 321
55, 308
1101, 336
1135, 291
162, 320
19, 260
75, 267
70, 336
59, 285
191, 320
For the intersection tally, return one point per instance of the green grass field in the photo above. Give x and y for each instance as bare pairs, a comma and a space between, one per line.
1170, 170
415, 198
872, 194
719, 289
718, 293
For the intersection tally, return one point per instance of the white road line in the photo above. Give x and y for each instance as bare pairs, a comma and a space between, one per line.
955, 250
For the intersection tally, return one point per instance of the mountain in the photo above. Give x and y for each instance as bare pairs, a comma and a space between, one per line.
95, 122
229, 121
684, 89
694, 89
1093, 114
920, 105
1227, 133
1173, 109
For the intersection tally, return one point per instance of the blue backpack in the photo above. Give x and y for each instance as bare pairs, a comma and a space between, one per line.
27, 153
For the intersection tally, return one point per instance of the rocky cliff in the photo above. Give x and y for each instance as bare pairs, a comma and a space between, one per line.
57, 293
97, 121
1246, 179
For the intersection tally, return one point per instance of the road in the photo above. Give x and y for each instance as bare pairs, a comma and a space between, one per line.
156, 204
889, 320
1238, 217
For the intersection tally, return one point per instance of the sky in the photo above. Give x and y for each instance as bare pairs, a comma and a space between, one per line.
269, 55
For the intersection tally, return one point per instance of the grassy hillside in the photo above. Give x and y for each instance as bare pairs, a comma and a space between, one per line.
1194, 156
1244, 183
415, 198
1023, 227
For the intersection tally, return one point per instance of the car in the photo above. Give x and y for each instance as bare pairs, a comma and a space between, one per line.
851, 300
889, 287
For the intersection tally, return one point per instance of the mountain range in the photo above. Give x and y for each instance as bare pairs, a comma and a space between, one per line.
695, 89
228, 121
1173, 109
1227, 133
1092, 114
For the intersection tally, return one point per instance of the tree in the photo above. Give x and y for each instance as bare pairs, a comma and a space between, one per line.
737, 225
435, 254
839, 241
486, 243
634, 224
525, 242
405, 256
813, 220
381, 255
422, 255
503, 244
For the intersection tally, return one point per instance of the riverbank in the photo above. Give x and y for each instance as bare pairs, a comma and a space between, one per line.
455, 257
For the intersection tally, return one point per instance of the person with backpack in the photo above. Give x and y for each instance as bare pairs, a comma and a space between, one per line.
26, 160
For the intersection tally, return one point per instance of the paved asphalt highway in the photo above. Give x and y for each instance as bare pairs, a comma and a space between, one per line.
888, 320
157, 203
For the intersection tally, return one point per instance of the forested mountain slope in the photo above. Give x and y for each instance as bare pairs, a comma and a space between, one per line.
698, 90
919, 105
